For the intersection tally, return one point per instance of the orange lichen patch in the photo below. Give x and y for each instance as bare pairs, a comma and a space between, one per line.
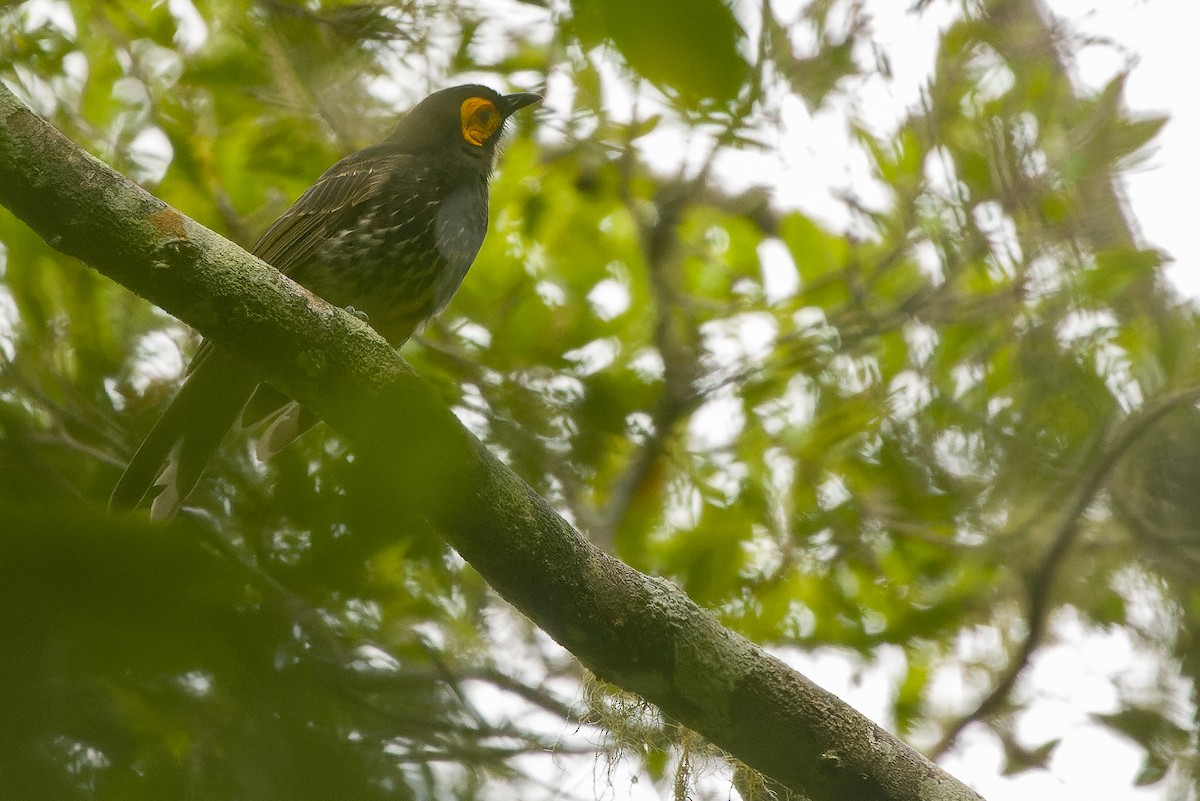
169, 223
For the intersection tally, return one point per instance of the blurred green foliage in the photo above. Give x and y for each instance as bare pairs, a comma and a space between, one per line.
974, 413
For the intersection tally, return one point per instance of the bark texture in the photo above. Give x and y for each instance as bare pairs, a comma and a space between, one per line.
640, 633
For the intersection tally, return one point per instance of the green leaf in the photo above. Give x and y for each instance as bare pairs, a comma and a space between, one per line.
693, 50
814, 77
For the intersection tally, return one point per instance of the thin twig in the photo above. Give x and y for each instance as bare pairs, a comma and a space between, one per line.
1041, 584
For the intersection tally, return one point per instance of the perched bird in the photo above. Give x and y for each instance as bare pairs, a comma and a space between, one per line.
390, 231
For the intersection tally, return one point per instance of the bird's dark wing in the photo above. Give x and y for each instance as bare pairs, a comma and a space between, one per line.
332, 204
217, 386
328, 206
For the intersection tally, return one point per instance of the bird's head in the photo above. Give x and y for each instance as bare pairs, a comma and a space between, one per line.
469, 118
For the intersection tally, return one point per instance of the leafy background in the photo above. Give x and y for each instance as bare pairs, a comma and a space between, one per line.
930, 440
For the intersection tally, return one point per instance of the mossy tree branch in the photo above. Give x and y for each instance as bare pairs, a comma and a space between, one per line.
637, 632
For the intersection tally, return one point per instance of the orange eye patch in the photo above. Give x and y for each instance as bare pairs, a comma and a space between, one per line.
480, 119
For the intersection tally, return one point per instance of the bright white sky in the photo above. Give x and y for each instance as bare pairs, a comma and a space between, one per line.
1159, 36
1151, 36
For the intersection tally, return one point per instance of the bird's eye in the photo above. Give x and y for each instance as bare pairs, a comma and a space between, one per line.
480, 120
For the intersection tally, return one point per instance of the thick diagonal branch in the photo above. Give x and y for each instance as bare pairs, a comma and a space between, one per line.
637, 632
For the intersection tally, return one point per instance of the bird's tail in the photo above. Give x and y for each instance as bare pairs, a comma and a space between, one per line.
175, 453
279, 420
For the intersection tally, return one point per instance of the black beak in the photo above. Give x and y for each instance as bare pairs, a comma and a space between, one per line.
511, 103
